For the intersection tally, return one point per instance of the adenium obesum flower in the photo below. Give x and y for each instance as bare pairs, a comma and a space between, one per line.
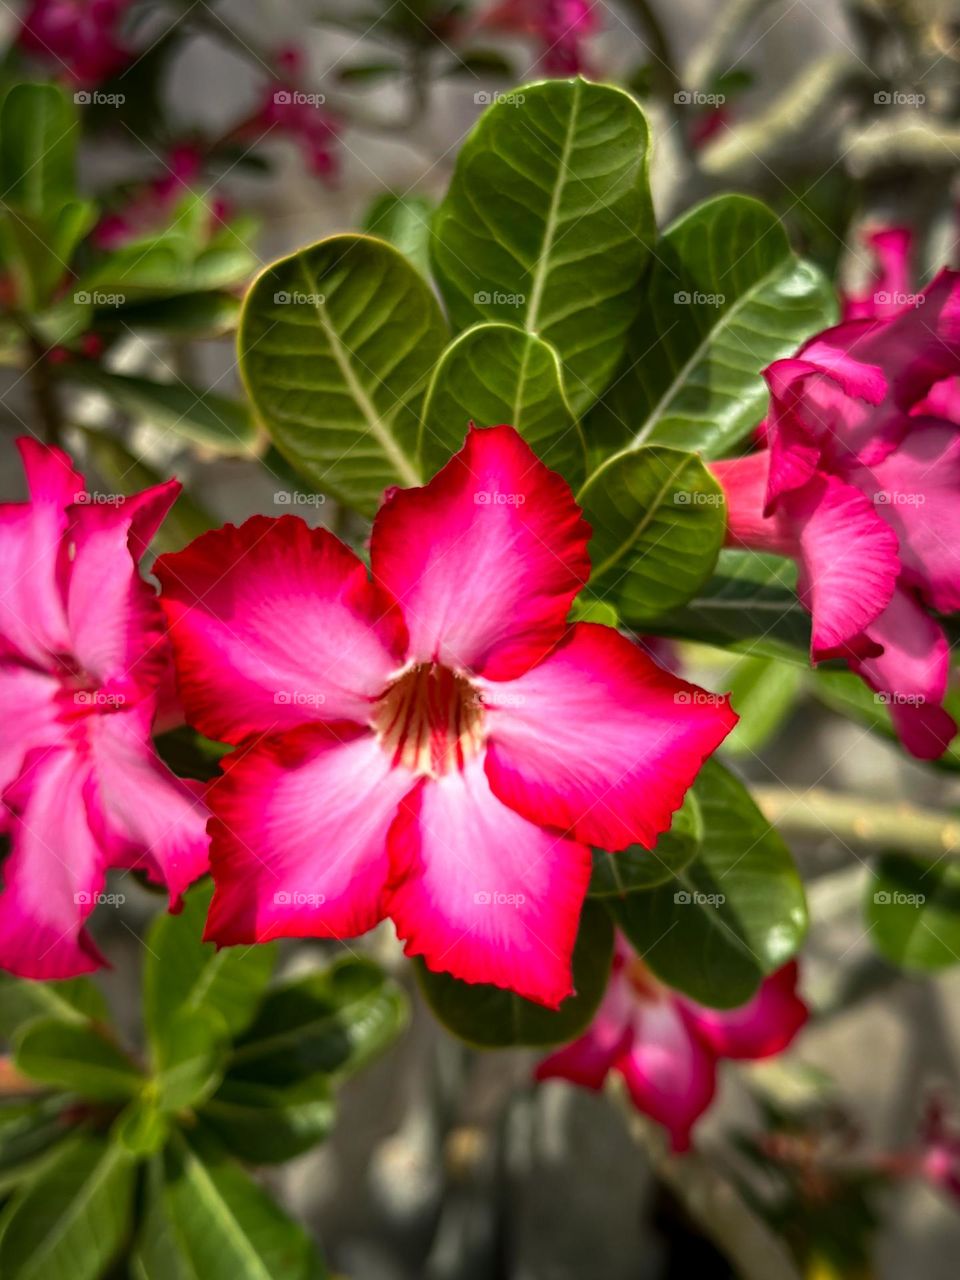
860, 483
666, 1047
83, 664
300, 116
558, 26
80, 37
433, 743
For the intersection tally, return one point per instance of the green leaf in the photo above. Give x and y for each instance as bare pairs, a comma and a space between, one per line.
38, 139
68, 1223
495, 373
332, 1021
143, 1127
659, 521
185, 975
492, 1018
187, 315
636, 869
189, 1058
336, 344
763, 692
29, 1132
548, 222
913, 911
266, 1123
749, 605
206, 1218
725, 296
403, 221
22, 1000
78, 1057
734, 915
201, 416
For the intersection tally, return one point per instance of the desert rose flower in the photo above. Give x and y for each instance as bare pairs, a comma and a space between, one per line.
433, 743
83, 660
860, 484
78, 36
558, 26
290, 112
666, 1047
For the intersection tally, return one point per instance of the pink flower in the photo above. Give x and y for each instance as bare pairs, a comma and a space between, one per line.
860, 484
938, 1159
150, 207
667, 1047
437, 744
890, 289
80, 35
83, 658
558, 26
293, 113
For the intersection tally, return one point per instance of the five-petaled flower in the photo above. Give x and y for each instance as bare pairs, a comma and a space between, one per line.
84, 662
860, 482
437, 744
666, 1047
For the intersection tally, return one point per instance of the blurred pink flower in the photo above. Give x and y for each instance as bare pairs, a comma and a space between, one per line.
666, 1046
149, 209
860, 483
80, 37
437, 744
83, 662
558, 26
299, 115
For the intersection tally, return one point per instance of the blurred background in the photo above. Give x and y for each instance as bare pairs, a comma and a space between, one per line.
446, 1163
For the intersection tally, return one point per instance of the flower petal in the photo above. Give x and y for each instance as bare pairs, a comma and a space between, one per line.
299, 835
671, 1076
483, 894
29, 701
599, 740
53, 873
273, 625
765, 1025
143, 814
588, 1060
486, 559
32, 619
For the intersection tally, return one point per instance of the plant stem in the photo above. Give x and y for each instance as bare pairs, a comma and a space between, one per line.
857, 820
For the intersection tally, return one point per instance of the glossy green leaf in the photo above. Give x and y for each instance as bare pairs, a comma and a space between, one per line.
404, 221
332, 1021
69, 1222
185, 975
205, 1217
725, 297
547, 224
749, 605
23, 999
189, 1058
736, 913
29, 1132
267, 1123
188, 315
143, 1127
200, 416
492, 1018
636, 869
496, 373
39, 132
77, 1057
336, 346
913, 911
763, 692
658, 521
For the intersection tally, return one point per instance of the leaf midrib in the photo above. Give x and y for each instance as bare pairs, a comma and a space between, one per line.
550, 226
105, 1165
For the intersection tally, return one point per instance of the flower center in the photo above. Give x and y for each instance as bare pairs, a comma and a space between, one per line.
430, 720
646, 987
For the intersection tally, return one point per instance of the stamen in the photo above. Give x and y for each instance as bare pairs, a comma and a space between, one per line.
430, 720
